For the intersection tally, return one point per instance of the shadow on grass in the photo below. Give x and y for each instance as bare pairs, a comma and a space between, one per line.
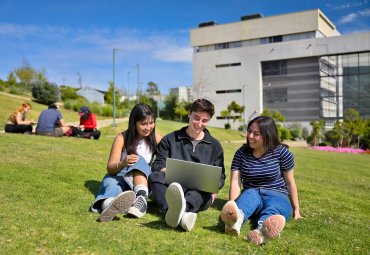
92, 186
218, 204
219, 228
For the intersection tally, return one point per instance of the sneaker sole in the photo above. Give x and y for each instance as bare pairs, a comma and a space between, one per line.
255, 237
272, 226
135, 212
229, 214
119, 205
176, 206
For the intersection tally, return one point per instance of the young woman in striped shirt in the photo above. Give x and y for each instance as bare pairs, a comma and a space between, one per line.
264, 167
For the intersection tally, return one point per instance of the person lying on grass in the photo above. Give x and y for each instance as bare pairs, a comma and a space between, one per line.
265, 169
124, 188
179, 204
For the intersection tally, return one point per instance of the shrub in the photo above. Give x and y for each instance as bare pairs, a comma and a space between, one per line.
285, 134
296, 133
45, 92
107, 110
227, 126
305, 133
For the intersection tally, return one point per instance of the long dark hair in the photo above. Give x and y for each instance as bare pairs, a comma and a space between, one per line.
268, 131
139, 113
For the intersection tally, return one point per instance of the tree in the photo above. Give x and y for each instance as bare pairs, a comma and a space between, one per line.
316, 130
168, 112
236, 109
11, 80
45, 92
354, 126
152, 89
109, 95
68, 93
25, 74
182, 109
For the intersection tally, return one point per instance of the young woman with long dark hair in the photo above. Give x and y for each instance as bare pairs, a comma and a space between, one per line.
264, 168
124, 188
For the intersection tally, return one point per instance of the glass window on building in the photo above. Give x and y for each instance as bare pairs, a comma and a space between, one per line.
274, 67
277, 95
350, 82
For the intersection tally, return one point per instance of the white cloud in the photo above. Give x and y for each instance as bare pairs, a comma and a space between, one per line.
365, 12
175, 54
63, 51
348, 18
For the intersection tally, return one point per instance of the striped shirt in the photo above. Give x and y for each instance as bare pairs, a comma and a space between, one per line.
265, 172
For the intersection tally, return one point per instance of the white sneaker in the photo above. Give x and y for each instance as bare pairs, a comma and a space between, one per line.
233, 218
176, 204
188, 221
119, 204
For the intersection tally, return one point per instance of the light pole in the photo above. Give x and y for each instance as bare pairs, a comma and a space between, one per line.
128, 92
138, 83
114, 89
243, 90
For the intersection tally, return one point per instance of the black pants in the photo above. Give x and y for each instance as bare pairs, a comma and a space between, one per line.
9, 128
87, 133
195, 200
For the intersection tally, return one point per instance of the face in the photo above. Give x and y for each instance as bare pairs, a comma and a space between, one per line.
198, 121
27, 109
254, 136
144, 127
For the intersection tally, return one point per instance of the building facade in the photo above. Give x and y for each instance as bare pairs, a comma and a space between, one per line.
183, 93
295, 63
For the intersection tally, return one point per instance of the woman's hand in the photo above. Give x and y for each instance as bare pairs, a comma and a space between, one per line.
297, 214
130, 160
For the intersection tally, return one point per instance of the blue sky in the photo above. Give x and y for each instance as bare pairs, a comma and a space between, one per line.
75, 38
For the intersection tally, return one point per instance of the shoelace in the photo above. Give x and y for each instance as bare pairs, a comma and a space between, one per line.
140, 202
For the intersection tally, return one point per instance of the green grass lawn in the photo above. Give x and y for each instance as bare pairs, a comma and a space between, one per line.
47, 185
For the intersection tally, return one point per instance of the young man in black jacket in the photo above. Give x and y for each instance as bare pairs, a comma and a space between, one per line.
191, 143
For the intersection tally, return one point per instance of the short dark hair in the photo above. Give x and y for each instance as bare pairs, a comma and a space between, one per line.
202, 105
53, 106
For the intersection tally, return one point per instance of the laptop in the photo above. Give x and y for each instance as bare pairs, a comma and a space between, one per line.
193, 175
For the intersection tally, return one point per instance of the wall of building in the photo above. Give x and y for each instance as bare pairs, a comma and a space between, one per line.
247, 77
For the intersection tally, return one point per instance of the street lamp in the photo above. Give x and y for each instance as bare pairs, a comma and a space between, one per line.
114, 89
128, 92
138, 83
244, 124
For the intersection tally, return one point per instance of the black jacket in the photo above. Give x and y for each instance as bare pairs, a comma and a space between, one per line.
178, 145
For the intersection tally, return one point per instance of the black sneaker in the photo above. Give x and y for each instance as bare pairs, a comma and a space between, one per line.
138, 209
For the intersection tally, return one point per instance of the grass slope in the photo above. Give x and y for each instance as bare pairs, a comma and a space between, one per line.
10, 103
47, 185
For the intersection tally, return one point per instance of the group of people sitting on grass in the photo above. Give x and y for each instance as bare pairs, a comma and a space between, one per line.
51, 123
262, 185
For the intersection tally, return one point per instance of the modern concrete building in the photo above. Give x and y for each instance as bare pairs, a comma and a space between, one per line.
183, 93
295, 63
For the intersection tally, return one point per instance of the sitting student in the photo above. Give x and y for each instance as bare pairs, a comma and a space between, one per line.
51, 122
87, 127
264, 167
128, 168
191, 143
17, 122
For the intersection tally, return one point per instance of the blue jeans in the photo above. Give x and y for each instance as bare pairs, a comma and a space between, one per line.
259, 204
113, 185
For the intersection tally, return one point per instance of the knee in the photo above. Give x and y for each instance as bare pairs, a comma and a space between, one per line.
156, 177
